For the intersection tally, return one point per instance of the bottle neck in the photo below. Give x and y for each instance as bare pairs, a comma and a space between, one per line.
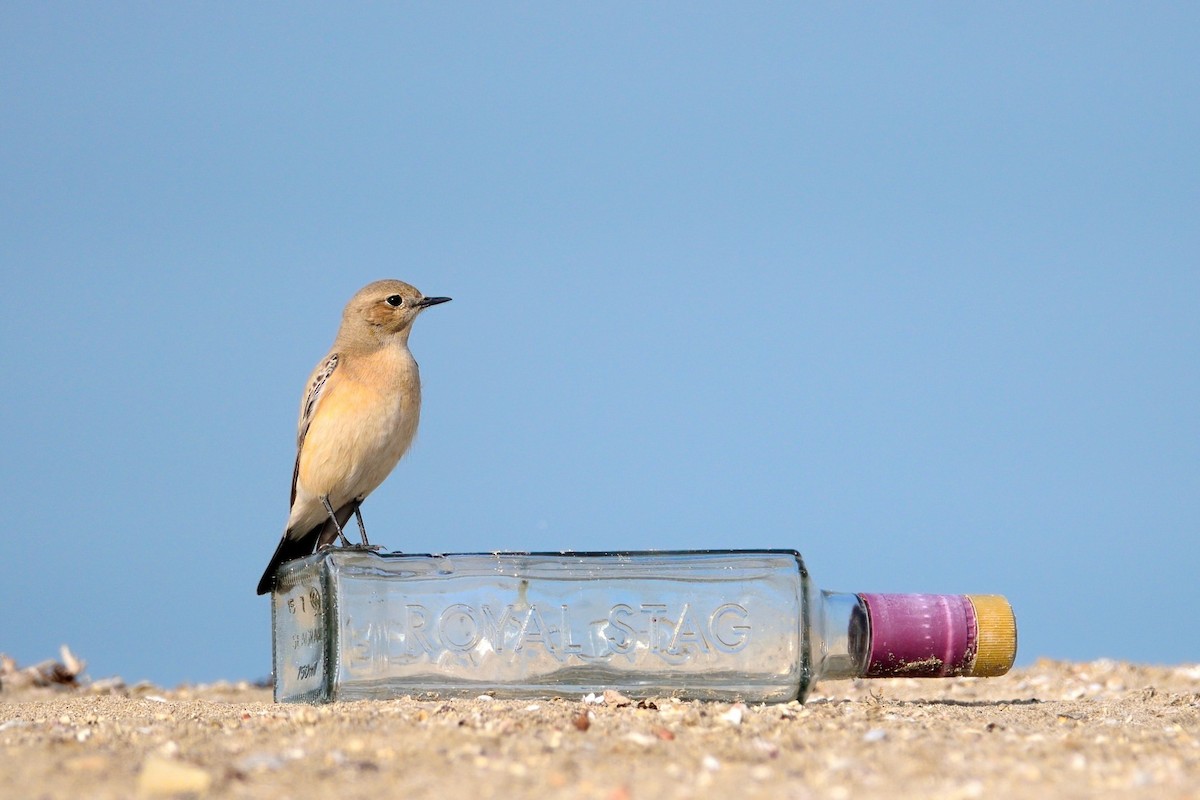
847, 636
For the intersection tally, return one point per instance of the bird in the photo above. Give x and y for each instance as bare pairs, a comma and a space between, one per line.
358, 416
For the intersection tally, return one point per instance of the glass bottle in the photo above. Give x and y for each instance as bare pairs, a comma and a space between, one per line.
749, 625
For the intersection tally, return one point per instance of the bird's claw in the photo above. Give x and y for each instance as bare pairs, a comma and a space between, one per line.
373, 548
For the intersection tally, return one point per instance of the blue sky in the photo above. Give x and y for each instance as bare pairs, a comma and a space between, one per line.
913, 290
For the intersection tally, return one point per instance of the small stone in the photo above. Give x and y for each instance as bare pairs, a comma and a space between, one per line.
161, 777
306, 715
766, 747
620, 793
256, 762
95, 763
735, 714
637, 737
105, 685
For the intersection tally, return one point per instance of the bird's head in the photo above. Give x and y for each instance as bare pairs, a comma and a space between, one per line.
385, 308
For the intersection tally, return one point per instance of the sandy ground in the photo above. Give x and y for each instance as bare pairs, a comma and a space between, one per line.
1101, 729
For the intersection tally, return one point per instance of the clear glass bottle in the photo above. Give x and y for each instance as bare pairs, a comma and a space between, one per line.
721, 624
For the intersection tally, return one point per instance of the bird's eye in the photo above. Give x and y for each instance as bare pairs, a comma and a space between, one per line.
395, 301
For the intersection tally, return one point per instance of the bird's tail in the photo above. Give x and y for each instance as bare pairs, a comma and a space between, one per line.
292, 546
288, 549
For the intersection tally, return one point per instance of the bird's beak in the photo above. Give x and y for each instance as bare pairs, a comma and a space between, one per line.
425, 302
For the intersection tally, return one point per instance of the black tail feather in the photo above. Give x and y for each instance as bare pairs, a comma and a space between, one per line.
287, 550
292, 547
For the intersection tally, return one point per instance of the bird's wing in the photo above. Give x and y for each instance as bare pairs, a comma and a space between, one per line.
312, 398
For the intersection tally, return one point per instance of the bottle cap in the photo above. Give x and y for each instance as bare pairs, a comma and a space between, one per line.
996, 648
939, 635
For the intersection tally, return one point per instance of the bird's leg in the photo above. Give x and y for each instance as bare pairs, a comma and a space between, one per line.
361, 528
366, 545
333, 516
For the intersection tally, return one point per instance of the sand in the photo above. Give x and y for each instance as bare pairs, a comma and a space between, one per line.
1101, 729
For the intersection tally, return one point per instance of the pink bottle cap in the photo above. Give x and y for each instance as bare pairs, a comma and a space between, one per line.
939, 635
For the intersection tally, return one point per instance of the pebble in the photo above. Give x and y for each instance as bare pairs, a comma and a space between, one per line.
93, 763
259, 761
161, 777
735, 714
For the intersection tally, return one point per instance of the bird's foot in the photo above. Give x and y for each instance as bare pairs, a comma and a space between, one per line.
372, 548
